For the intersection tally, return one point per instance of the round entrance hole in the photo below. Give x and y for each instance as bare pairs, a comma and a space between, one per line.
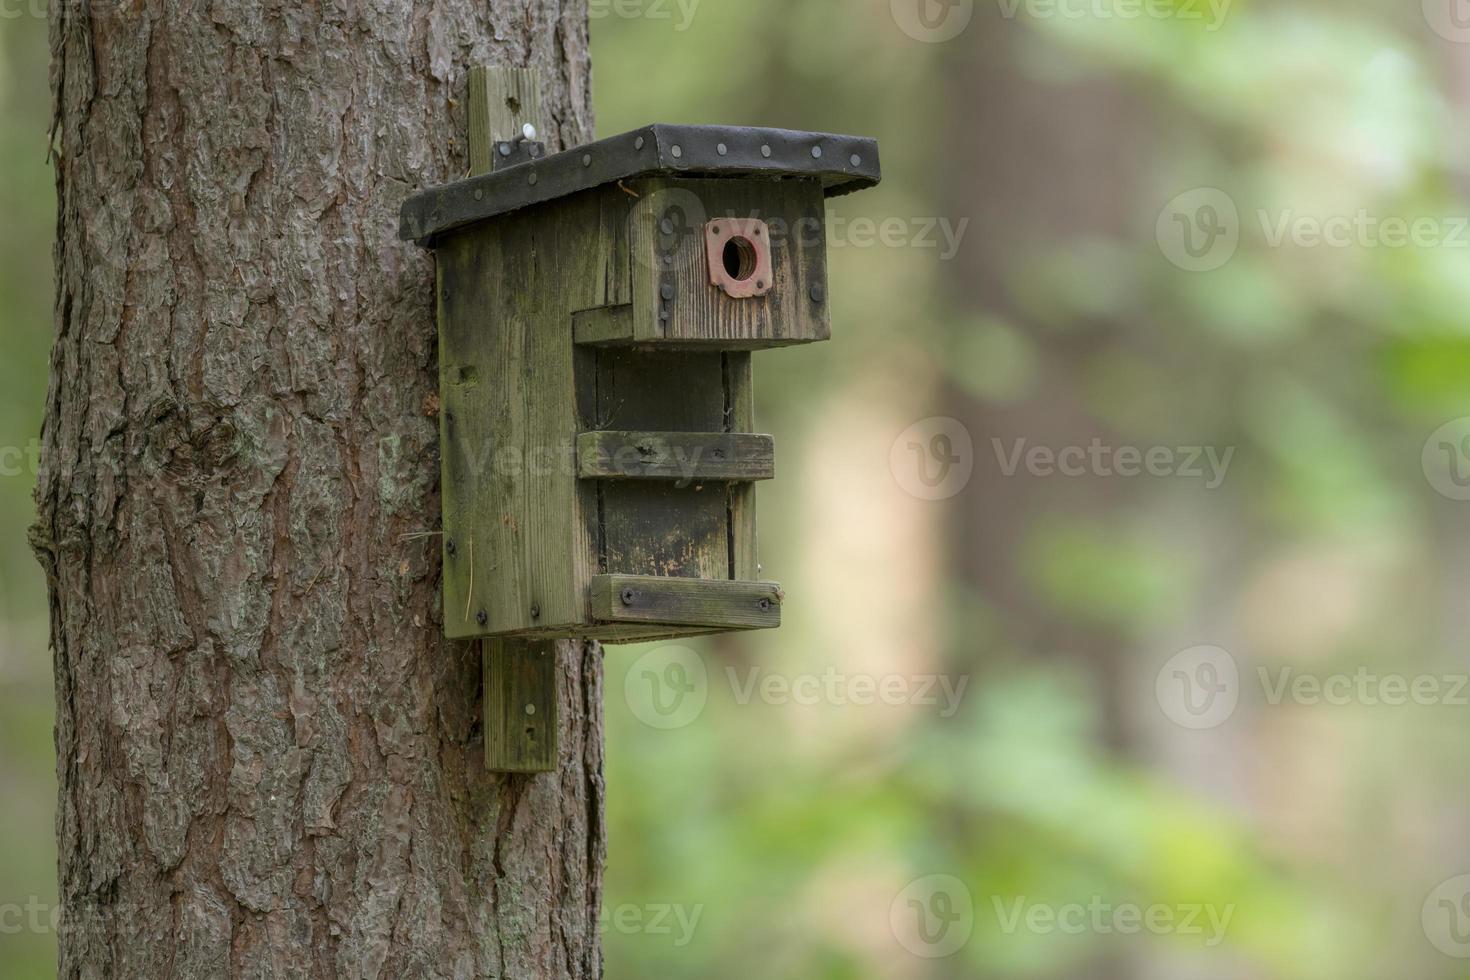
740, 258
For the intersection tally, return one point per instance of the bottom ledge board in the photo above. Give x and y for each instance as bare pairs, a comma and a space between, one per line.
691, 602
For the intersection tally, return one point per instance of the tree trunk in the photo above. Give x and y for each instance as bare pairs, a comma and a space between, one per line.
270, 763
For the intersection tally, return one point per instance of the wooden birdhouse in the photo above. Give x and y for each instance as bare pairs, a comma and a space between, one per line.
597, 312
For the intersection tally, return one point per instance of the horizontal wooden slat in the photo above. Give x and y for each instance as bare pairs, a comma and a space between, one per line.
615, 327
685, 457
686, 601
603, 326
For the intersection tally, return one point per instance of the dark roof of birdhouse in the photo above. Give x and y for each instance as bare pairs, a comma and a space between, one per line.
843, 163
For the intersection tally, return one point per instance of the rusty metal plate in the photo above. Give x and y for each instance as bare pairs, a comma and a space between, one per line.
739, 251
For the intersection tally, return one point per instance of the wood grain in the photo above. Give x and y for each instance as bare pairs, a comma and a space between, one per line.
521, 706
691, 602
683, 457
675, 264
501, 101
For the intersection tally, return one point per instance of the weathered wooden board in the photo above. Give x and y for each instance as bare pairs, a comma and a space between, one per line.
674, 301
606, 326
692, 602
518, 677
517, 546
740, 502
660, 528
520, 706
501, 101
684, 457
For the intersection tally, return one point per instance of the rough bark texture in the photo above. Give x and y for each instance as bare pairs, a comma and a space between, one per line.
269, 761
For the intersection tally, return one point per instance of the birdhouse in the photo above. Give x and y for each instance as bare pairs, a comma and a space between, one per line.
597, 311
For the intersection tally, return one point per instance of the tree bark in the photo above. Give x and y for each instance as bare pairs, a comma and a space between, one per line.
270, 762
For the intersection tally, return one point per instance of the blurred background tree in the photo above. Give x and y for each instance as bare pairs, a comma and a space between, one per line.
1063, 133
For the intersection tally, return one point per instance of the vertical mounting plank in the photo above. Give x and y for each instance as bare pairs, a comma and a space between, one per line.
740, 417
520, 677
521, 722
501, 101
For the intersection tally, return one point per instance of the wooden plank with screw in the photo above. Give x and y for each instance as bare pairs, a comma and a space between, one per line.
521, 722
520, 688
501, 101
684, 457
686, 601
